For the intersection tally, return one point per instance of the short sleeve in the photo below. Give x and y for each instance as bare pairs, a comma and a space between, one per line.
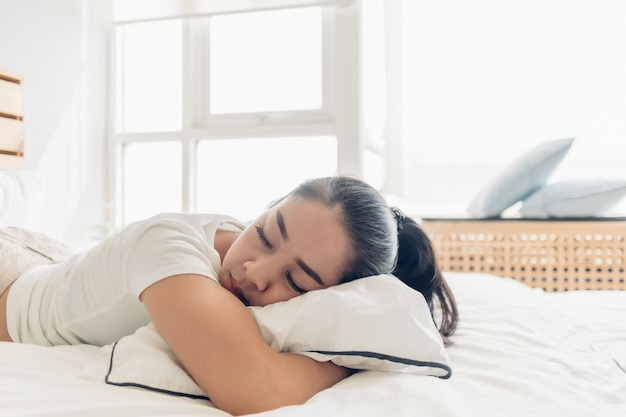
162, 247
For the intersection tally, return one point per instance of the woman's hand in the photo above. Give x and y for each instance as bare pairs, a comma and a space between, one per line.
220, 345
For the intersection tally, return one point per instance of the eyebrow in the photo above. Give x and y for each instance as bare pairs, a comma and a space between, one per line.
280, 220
309, 271
281, 224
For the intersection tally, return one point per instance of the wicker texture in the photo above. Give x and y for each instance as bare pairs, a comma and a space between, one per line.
553, 255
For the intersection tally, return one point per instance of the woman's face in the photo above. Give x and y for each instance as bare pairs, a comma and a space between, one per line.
298, 245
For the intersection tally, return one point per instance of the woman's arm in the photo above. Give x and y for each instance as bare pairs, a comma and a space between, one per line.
221, 346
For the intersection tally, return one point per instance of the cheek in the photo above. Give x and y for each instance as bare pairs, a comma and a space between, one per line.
241, 249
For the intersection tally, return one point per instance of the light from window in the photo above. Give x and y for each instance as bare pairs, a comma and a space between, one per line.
487, 81
266, 61
240, 177
150, 76
152, 179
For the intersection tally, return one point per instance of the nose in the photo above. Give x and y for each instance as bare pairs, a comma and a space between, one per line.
261, 272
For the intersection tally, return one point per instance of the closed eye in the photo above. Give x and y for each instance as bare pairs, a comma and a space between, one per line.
262, 238
293, 285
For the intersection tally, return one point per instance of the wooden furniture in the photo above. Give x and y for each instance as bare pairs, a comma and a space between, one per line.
556, 255
11, 120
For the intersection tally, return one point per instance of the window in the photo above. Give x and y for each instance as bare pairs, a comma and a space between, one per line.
266, 164
149, 78
152, 175
256, 68
428, 114
223, 112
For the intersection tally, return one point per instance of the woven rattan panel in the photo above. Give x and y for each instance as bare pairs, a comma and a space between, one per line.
553, 255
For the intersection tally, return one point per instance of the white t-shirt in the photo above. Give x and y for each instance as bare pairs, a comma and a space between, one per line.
93, 296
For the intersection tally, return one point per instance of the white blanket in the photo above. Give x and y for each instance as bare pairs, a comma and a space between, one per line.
518, 352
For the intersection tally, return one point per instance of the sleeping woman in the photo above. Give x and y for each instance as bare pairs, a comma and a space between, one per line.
325, 232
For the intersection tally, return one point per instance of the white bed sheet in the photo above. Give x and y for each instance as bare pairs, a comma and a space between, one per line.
517, 352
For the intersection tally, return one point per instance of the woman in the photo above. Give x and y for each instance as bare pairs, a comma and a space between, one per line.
325, 232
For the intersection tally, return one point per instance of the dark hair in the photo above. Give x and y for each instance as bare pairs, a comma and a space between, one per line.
417, 266
386, 242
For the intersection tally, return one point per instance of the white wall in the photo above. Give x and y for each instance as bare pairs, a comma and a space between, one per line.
60, 48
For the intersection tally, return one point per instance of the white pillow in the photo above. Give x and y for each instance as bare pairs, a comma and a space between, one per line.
374, 323
21, 197
520, 179
575, 198
143, 360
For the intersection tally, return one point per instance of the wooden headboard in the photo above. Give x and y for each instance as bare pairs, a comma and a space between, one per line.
11, 120
556, 255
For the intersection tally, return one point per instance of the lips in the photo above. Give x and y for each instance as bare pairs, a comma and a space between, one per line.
233, 287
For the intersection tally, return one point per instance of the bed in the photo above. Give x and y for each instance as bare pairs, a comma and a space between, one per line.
542, 307
519, 349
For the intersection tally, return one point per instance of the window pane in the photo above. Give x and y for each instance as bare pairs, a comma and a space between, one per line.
151, 76
240, 177
152, 179
266, 61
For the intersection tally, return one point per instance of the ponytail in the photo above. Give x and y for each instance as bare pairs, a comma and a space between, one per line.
417, 267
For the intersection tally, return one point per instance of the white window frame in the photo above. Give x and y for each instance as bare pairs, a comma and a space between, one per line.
340, 115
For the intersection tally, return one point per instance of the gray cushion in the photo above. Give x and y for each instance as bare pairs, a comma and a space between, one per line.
575, 198
520, 179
